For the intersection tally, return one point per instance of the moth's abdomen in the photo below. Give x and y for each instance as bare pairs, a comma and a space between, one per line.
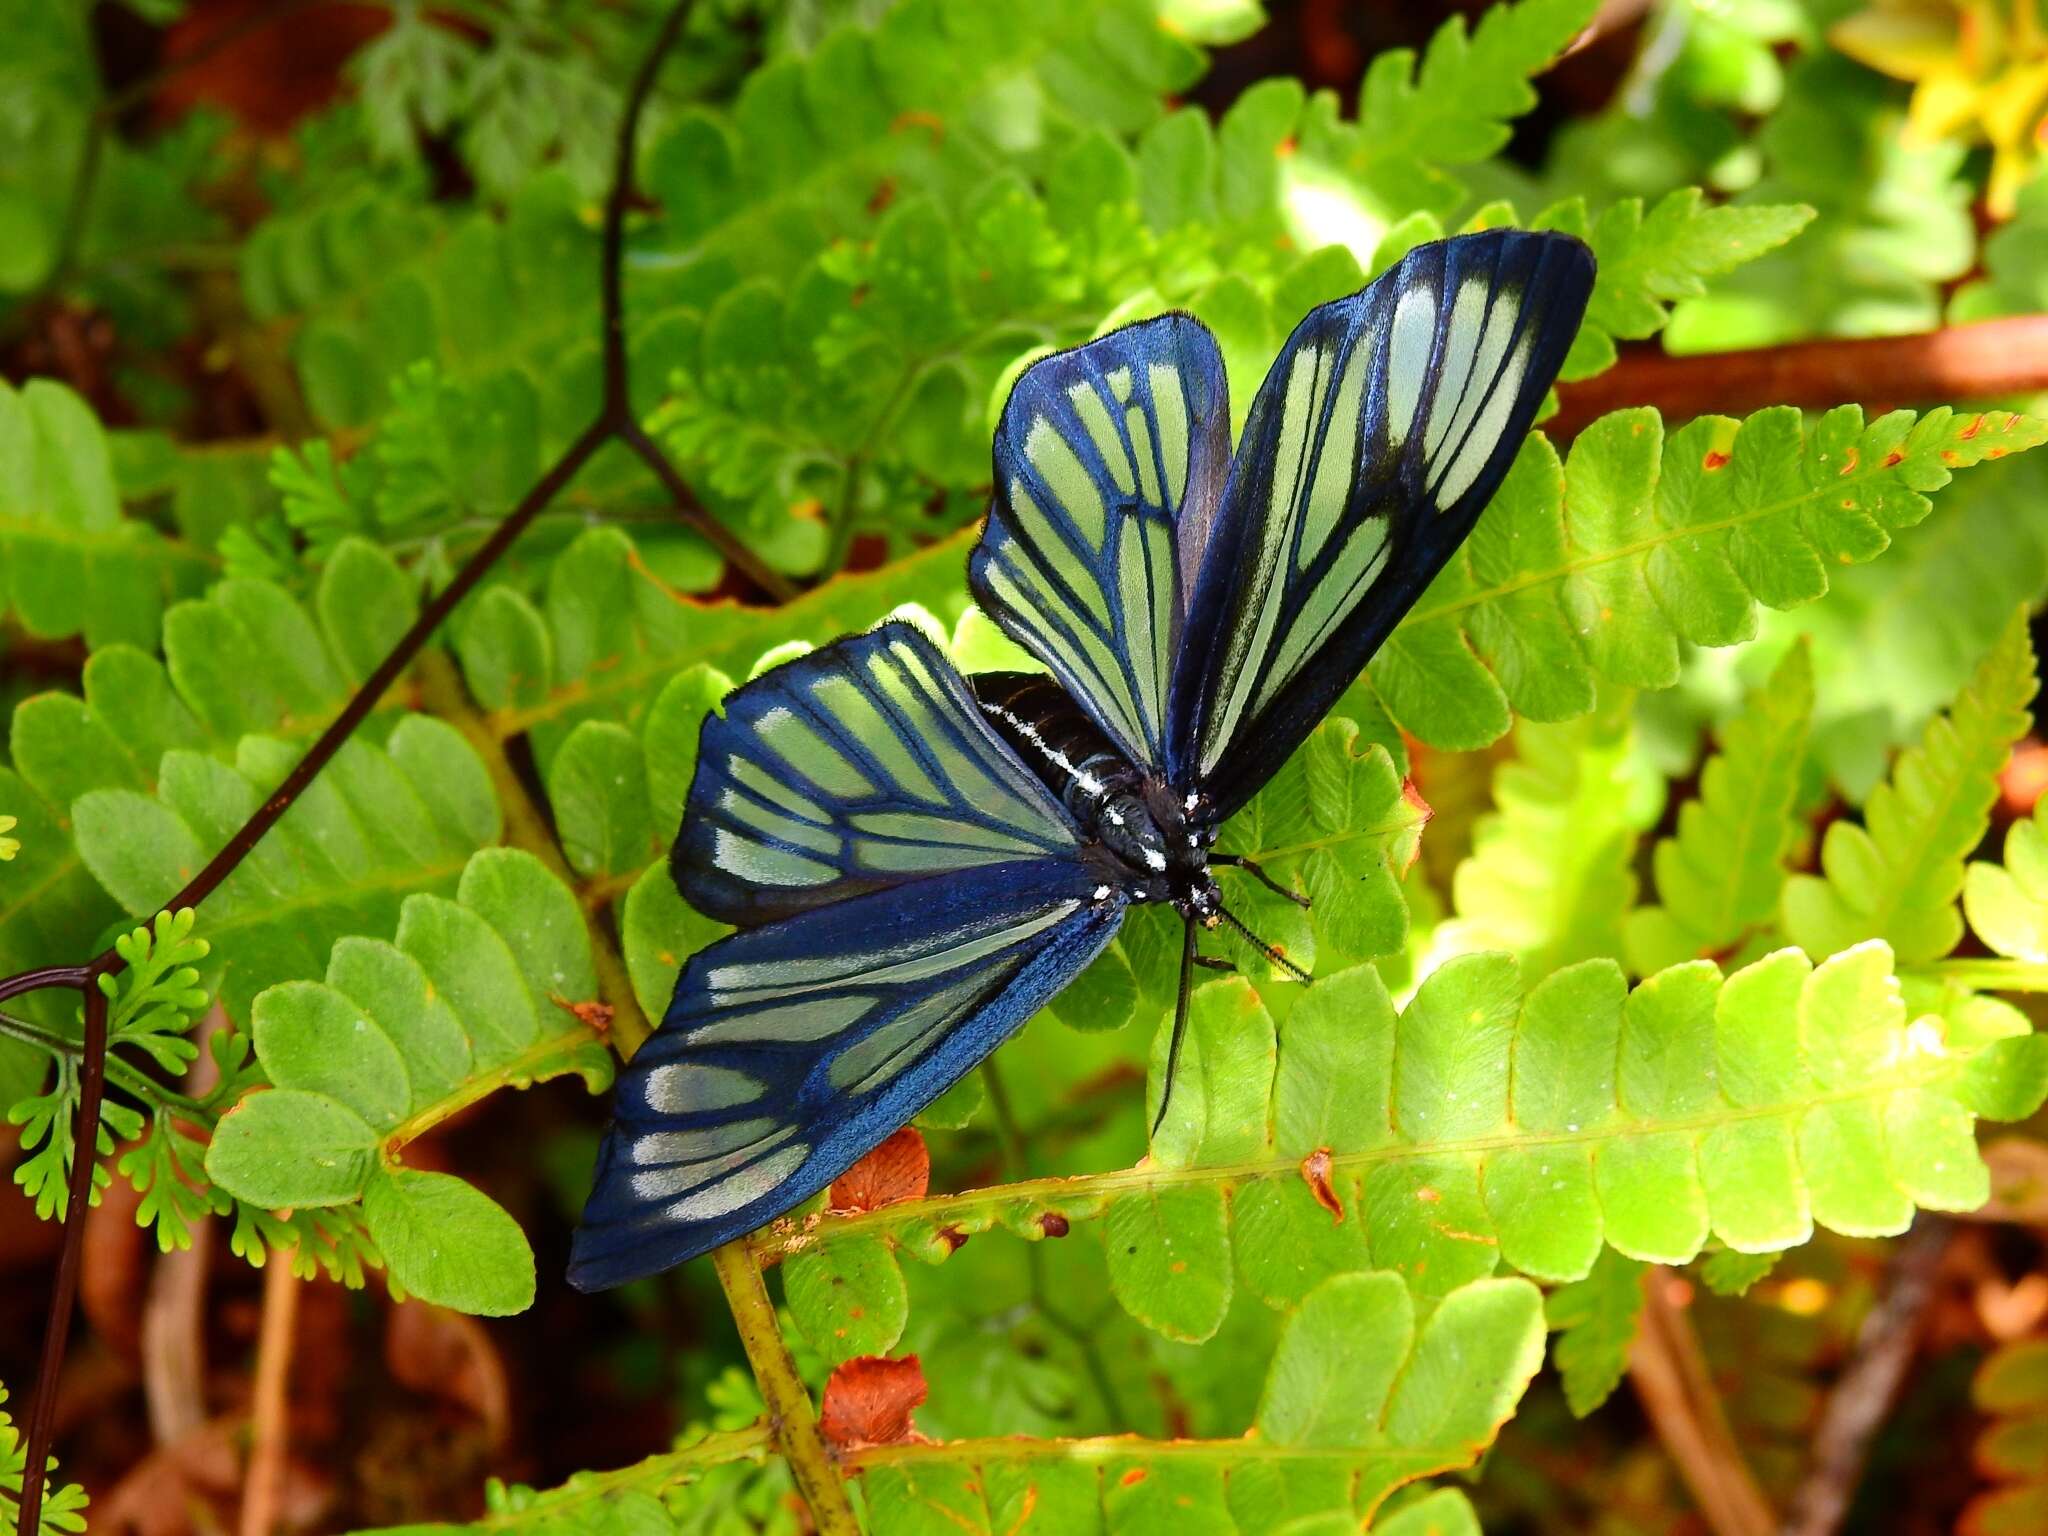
1069, 752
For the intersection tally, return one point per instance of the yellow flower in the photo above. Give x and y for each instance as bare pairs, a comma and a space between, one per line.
1979, 70
9, 846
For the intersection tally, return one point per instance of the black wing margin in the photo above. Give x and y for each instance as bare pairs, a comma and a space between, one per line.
1385, 426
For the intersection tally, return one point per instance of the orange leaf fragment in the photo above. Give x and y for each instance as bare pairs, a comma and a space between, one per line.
868, 1401
2024, 777
1412, 850
593, 1016
1315, 1168
899, 1169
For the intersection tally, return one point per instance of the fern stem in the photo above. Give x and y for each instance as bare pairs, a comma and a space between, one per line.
1865, 1392
1085, 1195
1989, 358
42, 1419
441, 690
1989, 975
1101, 1448
1669, 1371
529, 1066
789, 1401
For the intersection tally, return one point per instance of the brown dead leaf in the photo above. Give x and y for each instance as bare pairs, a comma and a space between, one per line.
868, 1401
114, 1268
899, 1169
446, 1355
2019, 1182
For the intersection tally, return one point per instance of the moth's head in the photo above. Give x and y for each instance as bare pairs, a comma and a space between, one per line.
1198, 899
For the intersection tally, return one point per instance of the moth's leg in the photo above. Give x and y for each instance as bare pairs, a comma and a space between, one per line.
1180, 1020
1252, 868
1215, 963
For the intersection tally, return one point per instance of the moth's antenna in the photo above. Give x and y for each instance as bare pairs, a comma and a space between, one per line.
1180, 1022
1258, 873
1270, 951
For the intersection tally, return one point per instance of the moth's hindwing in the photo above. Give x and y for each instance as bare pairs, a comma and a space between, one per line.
793, 1049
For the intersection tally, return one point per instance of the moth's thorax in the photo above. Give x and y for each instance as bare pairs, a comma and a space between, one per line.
1150, 841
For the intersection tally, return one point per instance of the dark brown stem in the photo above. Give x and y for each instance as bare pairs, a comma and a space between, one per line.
74, 977
365, 698
1864, 1393
713, 532
1961, 362
618, 414
92, 1080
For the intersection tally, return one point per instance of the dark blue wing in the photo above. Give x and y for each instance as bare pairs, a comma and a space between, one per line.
1108, 462
1383, 429
863, 765
792, 1050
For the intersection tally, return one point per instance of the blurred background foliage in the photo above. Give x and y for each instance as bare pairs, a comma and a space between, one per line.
295, 310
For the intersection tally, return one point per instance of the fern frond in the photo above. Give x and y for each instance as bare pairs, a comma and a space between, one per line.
1719, 877
1360, 1399
64, 1504
610, 632
1897, 876
2011, 1389
1595, 1320
1452, 109
49, 905
1649, 261
812, 136
473, 995
1898, 638
381, 822
247, 659
158, 762
2007, 903
1601, 566
156, 999
1551, 875
153, 1004
70, 562
1730, 1273
1894, 224
1483, 1125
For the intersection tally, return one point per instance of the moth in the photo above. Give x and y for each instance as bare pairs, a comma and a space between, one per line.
916, 861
